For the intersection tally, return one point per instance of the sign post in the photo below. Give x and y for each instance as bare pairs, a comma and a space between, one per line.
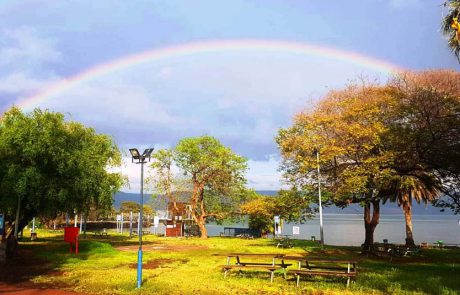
277, 225
2, 224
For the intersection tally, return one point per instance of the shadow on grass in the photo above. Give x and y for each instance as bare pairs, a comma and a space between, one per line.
433, 278
45, 256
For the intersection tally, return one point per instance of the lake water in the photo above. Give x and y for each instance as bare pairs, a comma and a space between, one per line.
348, 229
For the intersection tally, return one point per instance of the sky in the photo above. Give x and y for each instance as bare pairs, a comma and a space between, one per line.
61, 56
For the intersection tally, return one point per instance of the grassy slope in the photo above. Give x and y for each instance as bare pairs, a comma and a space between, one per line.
103, 269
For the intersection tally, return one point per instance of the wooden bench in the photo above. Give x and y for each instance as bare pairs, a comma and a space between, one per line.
329, 273
269, 266
324, 267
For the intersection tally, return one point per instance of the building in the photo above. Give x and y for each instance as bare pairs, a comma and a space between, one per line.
178, 219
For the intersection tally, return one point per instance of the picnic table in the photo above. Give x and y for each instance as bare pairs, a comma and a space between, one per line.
395, 249
101, 233
283, 241
258, 261
144, 232
323, 267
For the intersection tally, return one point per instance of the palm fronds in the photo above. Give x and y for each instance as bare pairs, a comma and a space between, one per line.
451, 33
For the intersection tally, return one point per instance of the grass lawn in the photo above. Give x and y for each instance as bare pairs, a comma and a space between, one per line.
186, 266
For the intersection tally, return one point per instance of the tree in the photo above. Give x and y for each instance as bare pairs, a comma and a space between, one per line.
451, 26
347, 128
129, 206
291, 206
148, 210
51, 166
424, 131
164, 181
261, 211
404, 189
216, 174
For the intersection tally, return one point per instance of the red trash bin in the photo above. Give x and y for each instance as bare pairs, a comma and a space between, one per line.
71, 237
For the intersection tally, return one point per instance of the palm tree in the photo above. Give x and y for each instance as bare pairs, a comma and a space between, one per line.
403, 189
451, 26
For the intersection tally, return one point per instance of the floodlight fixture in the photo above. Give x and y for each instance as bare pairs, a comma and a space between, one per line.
147, 153
135, 155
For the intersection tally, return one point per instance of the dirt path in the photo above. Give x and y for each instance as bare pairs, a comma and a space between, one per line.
31, 289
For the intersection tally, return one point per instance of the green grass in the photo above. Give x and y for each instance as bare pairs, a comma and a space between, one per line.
101, 268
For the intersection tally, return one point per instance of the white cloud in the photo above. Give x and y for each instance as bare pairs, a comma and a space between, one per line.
264, 175
23, 83
25, 57
26, 48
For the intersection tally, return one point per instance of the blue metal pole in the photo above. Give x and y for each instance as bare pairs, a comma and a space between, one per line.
321, 233
139, 254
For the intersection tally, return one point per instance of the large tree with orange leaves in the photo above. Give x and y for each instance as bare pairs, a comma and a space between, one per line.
347, 128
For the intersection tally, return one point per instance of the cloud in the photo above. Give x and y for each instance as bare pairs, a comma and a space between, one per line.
264, 175
24, 47
25, 59
23, 83
241, 98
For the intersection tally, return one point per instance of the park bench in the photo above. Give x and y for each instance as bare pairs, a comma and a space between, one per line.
101, 233
260, 262
324, 267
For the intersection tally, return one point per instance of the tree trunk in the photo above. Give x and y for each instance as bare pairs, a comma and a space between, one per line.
202, 226
200, 219
407, 208
370, 222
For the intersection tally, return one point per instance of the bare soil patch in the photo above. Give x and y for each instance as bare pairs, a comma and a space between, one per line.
162, 247
16, 273
157, 263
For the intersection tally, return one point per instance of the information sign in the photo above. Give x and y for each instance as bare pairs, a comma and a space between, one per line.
296, 230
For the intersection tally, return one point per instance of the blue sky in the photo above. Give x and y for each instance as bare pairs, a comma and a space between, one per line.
242, 98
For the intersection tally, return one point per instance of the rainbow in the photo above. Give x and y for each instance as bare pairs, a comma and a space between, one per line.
205, 47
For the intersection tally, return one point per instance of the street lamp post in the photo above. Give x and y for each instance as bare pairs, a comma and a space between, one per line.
321, 233
137, 158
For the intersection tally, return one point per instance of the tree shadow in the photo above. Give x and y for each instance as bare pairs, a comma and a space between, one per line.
45, 256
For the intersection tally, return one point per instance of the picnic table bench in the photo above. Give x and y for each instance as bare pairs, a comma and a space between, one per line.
101, 233
261, 261
395, 250
323, 267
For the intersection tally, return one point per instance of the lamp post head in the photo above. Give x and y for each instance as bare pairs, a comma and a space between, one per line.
135, 155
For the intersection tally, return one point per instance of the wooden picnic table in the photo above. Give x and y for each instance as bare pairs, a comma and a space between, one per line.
323, 267
266, 261
101, 233
283, 241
